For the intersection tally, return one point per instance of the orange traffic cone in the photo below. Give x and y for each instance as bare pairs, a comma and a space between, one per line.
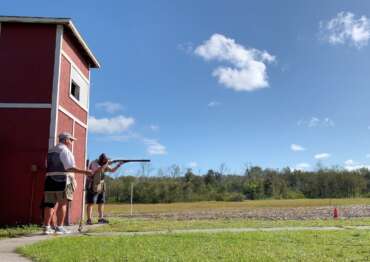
335, 213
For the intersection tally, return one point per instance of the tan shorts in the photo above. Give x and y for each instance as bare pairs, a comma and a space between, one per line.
58, 196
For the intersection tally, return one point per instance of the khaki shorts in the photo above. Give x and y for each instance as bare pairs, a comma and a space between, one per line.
58, 196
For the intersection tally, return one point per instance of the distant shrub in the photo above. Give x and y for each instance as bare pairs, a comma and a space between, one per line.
234, 197
255, 183
294, 195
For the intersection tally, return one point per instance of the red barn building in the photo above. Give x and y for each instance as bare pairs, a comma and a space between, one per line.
44, 90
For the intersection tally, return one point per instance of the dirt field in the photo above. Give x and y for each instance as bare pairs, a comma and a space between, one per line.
265, 209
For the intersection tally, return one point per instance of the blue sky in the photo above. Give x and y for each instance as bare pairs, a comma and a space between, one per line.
200, 83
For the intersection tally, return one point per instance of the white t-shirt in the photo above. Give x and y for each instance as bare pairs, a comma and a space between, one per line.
66, 157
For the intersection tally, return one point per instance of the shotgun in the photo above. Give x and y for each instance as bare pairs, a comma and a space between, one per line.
128, 160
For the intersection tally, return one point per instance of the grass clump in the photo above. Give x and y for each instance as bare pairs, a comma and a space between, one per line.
16, 231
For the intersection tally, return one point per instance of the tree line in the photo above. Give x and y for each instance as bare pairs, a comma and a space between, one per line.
254, 183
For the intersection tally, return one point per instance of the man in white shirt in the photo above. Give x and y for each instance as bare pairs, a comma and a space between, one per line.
60, 182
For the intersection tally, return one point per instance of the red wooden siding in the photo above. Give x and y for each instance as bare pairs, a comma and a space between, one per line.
79, 150
64, 98
70, 47
26, 62
65, 123
23, 139
27, 52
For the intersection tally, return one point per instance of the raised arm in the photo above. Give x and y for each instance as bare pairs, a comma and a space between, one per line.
114, 169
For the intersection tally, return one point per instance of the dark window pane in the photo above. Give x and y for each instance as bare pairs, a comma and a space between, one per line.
75, 90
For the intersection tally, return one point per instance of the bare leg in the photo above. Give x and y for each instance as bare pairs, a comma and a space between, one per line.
89, 211
61, 212
48, 214
53, 217
101, 210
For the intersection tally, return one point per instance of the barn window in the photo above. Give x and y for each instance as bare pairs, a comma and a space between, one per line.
75, 90
79, 89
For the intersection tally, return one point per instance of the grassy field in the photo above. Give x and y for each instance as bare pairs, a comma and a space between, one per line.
139, 225
348, 245
18, 231
114, 209
341, 245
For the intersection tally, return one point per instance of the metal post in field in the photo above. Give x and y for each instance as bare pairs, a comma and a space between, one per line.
131, 198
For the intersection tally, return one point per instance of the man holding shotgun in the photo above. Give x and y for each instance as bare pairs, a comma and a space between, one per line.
95, 186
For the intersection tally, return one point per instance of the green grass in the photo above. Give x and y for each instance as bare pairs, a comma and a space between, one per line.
347, 245
137, 225
116, 209
7, 232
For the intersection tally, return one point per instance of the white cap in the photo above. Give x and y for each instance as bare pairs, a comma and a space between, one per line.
66, 135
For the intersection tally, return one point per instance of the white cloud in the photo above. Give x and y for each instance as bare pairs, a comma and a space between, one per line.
214, 104
313, 122
154, 127
295, 147
117, 129
345, 28
109, 107
349, 162
249, 65
302, 167
351, 165
328, 122
154, 147
316, 122
322, 156
356, 167
113, 125
193, 164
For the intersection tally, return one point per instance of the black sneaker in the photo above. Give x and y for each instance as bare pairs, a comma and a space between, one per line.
89, 222
103, 221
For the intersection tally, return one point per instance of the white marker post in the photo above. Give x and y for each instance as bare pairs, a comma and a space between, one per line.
132, 196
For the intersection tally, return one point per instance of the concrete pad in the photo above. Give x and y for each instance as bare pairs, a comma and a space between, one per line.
9, 245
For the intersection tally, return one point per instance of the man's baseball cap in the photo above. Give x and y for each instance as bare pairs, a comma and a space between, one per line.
66, 135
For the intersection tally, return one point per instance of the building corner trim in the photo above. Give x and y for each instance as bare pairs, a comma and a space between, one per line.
56, 87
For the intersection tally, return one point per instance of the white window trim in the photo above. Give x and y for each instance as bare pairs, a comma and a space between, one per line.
69, 59
70, 90
55, 91
74, 118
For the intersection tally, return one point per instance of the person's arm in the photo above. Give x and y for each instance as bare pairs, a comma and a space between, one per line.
112, 170
80, 171
97, 169
69, 164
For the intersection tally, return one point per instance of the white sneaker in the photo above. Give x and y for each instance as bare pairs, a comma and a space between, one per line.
61, 231
48, 230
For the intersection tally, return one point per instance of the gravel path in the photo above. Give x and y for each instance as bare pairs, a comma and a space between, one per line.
9, 245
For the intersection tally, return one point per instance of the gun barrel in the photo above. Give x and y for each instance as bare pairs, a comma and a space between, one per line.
130, 160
